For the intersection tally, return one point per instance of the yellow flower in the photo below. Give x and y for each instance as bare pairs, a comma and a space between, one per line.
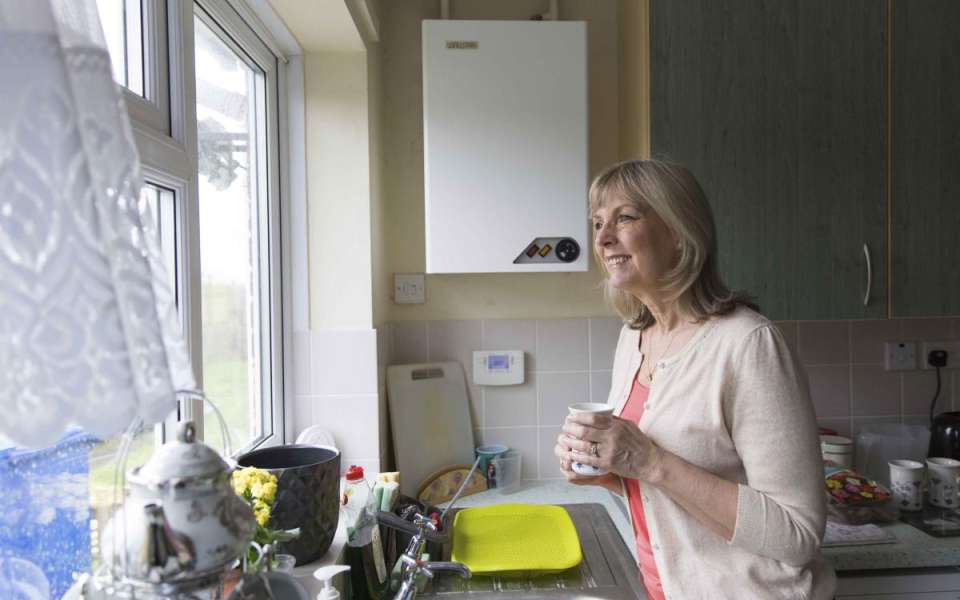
262, 488
268, 491
262, 516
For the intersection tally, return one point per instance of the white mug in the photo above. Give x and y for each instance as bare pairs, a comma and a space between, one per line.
906, 483
943, 481
589, 407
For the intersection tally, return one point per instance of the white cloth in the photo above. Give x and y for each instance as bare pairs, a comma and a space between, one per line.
88, 331
734, 401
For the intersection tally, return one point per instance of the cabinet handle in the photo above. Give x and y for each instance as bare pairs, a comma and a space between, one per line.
866, 255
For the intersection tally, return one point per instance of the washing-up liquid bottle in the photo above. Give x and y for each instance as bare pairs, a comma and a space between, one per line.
326, 575
356, 497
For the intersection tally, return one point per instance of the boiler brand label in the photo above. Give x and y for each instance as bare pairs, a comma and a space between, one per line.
462, 45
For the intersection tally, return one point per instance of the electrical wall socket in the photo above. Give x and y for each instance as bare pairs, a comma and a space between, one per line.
953, 353
409, 288
900, 356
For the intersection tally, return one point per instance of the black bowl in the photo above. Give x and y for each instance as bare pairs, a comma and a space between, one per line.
308, 495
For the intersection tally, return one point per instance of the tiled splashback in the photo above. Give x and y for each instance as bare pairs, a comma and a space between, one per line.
569, 360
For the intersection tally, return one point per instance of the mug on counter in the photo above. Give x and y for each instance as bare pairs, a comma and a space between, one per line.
487, 453
943, 482
589, 407
906, 483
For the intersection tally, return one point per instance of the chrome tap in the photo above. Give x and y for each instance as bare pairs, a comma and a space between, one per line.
413, 566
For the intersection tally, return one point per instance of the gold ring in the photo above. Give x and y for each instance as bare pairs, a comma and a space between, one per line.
594, 449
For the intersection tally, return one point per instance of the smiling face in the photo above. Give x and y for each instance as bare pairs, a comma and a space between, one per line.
634, 245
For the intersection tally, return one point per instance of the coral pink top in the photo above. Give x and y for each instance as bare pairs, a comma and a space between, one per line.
632, 411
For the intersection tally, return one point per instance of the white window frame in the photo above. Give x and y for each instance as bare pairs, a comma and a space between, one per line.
165, 131
152, 110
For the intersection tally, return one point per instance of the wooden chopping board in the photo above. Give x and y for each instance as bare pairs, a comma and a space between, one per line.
430, 418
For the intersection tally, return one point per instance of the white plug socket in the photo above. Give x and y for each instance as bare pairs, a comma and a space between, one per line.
900, 356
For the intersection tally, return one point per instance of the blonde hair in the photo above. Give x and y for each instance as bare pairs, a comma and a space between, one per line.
672, 192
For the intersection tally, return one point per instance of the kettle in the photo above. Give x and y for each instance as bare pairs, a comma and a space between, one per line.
945, 435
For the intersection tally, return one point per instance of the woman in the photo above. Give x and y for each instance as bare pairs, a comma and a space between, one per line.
713, 442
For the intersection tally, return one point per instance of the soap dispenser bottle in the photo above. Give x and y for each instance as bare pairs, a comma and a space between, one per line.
326, 575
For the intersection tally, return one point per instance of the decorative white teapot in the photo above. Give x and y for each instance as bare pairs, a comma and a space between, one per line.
182, 521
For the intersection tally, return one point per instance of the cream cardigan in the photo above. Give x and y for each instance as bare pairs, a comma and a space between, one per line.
735, 402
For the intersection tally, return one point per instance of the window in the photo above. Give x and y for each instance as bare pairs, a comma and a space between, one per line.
121, 21
236, 227
215, 209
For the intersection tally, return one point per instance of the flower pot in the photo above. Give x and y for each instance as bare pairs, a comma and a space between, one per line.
308, 495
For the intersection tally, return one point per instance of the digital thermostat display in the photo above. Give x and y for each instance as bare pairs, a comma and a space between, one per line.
498, 367
498, 362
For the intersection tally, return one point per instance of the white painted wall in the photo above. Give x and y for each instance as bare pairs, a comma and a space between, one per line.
338, 190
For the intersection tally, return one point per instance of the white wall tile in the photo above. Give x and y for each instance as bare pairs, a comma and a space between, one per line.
600, 385
521, 439
604, 333
512, 334
409, 343
557, 391
562, 345
354, 422
511, 405
456, 341
549, 464
343, 362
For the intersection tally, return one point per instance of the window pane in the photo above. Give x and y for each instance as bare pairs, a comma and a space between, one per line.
157, 210
123, 29
230, 143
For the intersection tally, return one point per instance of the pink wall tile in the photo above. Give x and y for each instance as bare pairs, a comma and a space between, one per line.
824, 342
918, 389
875, 392
830, 390
867, 338
929, 330
789, 331
840, 425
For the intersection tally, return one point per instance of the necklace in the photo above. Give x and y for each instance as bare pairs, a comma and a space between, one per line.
653, 364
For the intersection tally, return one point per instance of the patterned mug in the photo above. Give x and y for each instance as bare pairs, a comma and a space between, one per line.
943, 482
906, 483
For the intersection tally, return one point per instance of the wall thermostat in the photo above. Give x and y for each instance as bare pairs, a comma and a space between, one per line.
498, 367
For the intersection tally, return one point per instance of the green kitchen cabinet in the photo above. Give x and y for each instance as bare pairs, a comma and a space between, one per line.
925, 166
778, 108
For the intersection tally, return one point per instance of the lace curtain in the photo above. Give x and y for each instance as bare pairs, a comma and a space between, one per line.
88, 329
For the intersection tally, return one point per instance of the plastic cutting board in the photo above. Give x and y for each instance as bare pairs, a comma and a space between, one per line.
513, 538
430, 418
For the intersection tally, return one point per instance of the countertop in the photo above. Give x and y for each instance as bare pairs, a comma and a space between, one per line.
913, 549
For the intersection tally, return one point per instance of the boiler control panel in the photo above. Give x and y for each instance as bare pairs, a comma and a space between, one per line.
498, 367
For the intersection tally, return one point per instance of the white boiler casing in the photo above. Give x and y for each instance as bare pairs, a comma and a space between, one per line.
505, 146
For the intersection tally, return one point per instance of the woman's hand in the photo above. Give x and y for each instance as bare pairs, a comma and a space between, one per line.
620, 447
609, 481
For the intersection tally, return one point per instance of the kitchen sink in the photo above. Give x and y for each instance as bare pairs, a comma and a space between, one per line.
607, 571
